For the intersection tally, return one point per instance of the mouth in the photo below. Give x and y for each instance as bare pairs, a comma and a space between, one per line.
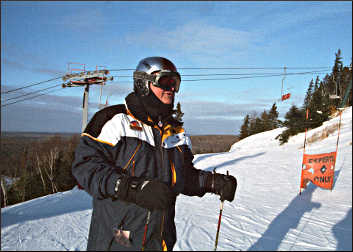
169, 93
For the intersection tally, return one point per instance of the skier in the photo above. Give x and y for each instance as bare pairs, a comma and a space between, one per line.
134, 159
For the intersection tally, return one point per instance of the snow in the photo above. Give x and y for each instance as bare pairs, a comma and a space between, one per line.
267, 213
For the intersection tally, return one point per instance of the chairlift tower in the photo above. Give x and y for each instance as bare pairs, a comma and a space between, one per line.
85, 78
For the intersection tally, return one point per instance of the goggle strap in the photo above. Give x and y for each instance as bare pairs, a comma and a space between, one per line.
144, 76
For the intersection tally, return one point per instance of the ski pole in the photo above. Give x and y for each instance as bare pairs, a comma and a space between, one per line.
219, 224
219, 220
144, 235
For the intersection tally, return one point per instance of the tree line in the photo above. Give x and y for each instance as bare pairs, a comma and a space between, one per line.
322, 99
37, 169
40, 167
254, 124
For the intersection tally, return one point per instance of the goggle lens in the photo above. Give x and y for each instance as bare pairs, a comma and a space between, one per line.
168, 82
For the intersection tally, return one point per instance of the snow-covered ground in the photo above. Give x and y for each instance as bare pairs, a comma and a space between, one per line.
267, 214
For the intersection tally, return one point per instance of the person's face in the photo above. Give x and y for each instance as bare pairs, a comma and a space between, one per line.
167, 97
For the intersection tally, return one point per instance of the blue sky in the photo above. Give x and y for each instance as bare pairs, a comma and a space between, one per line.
39, 39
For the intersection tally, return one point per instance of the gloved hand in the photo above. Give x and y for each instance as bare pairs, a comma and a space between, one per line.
223, 185
150, 194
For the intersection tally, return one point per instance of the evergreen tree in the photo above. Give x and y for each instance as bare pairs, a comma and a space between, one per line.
345, 80
273, 117
325, 101
258, 125
326, 92
315, 107
264, 122
308, 95
294, 118
179, 114
252, 124
244, 129
334, 84
295, 123
337, 67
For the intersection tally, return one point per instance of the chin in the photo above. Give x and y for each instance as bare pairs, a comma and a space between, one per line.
168, 102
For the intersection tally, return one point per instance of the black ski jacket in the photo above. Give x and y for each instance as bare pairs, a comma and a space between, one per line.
122, 139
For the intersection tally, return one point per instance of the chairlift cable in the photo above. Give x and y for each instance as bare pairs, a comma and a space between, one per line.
195, 68
34, 92
247, 68
251, 75
215, 74
257, 76
29, 98
16, 89
226, 68
243, 77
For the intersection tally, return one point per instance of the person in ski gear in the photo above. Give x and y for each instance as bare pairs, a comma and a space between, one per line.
134, 159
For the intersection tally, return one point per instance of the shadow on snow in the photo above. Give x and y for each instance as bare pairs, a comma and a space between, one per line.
46, 207
290, 217
343, 233
233, 161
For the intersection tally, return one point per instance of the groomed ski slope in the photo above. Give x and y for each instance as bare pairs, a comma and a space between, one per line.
267, 214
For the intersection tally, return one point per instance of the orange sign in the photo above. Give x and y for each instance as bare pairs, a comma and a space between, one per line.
319, 169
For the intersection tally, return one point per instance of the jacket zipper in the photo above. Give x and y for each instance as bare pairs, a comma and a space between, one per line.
163, 172
132, 156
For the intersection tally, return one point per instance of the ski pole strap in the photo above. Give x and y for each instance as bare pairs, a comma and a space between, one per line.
219, 218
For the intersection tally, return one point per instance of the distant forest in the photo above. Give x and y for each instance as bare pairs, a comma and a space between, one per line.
38, 164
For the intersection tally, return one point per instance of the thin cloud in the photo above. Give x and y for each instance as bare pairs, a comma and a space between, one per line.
288, 15
47, 113
200, 37
14, 56
64, 102
31, 67
117, 89
40, 119
199, 41
86, 21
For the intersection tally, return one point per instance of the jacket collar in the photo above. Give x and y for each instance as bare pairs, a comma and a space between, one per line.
138, 111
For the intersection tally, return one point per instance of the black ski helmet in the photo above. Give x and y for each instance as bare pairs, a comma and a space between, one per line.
147, 66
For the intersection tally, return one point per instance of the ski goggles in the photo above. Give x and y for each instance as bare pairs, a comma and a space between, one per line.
165, 80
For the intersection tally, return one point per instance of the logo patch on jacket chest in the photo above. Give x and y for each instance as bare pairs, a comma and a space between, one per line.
135, 126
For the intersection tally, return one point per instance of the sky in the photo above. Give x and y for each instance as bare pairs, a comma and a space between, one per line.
39, 39
266, 214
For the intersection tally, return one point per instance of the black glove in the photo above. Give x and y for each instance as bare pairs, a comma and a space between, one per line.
150, 194
223, 185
